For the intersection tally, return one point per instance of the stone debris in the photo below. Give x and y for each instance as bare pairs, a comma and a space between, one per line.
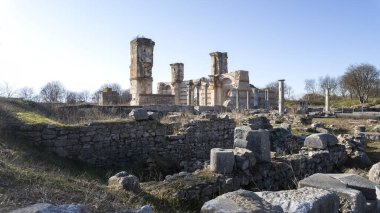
49, 208
374, 173
139, 114
320, 141
355, 150
70, 208
351, 200
244, 158
239, 201
307, 199
123, 180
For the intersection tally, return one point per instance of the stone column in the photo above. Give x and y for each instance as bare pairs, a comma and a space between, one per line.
237, 98
247, 99
197, 100
206, 98
266, 98
189, 93
327, 101
281, 96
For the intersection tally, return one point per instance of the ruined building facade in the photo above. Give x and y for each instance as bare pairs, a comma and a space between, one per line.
220, 88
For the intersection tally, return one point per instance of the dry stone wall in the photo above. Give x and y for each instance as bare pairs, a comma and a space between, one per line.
120, 143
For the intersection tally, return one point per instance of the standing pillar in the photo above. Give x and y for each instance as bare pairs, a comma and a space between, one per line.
189, 93
206, 96
197, 100
327, 101
177, 71
266, 99
247, 99
237, 98
281, 97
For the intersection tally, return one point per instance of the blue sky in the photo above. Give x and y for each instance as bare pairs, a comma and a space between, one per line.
85, 43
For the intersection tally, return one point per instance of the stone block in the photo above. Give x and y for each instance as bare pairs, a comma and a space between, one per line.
239, 201
241, 132
244, 158
46, 207
353, 181
307, 199
222, 160
139, 114
351, 200
124, 181
374, 173
258, 142
320, 141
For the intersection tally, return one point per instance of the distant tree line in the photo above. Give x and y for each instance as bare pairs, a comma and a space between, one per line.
55, 92
359, 81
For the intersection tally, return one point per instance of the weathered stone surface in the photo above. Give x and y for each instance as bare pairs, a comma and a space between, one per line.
154, 116
378, 197
244, 158
374, 173
376, 128
351, 200
49, 208
241, 132
139, 114
241, 201
307, 199
124, 181
357, 182
222, 160
258, 142
320, 141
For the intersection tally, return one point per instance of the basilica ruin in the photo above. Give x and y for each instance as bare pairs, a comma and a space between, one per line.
220, 88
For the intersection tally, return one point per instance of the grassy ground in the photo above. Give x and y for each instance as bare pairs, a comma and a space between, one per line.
28, 176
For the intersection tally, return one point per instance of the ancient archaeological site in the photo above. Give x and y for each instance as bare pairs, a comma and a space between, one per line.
212, 144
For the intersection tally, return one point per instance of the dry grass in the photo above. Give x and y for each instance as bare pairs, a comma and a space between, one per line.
345, 125
28, 176
373, 151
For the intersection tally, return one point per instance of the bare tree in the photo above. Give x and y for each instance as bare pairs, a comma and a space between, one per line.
7, 90
288, 90
361, 79
71, 97
26, 93
342, 89
84, 96
327, 82
310, 86
52, 92
126, 97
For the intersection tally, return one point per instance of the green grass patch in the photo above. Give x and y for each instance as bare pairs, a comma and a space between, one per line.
32, 118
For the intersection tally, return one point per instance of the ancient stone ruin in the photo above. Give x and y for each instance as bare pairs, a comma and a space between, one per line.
220, 88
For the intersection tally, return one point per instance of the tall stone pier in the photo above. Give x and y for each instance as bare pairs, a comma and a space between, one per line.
281, 97
177, 70
141, 68
327, 99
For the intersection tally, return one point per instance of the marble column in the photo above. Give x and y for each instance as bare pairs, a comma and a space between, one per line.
281, 98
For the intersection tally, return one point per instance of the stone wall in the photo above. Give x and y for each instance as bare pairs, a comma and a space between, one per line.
281, 173
146, 99
120, 143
